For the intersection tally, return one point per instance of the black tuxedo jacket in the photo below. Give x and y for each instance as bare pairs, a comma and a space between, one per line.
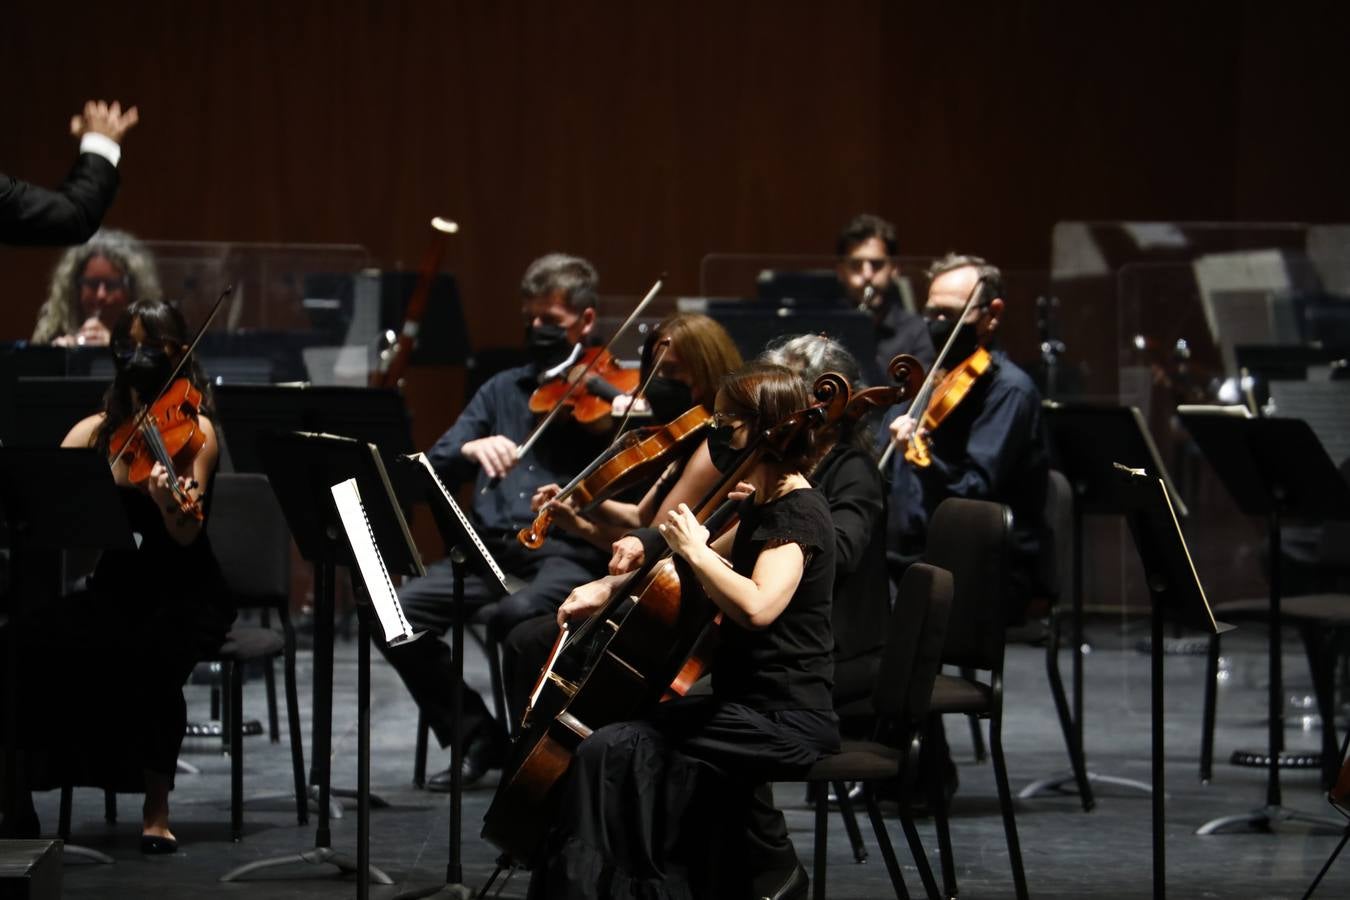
69, 215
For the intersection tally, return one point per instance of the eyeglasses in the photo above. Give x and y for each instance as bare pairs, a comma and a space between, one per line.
108, 284
857, 263
722, 420
125, 349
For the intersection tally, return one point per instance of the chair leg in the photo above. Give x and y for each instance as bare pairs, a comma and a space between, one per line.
63, 818
908, 773
1066, 723
1207, 720
270, 680
420, 754
110, 806
850, 822
1005, 796
884, 842
293, 720
976, 733
937, 802
235, 679
822, 834
494, 660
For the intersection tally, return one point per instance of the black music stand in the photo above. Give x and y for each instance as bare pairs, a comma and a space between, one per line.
52, 499
467, 554
1276, 469
1173, 588
302, 468
1088, 441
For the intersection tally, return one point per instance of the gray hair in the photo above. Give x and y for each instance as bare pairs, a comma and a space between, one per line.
60, 313
572, 276
812, 355
993, 278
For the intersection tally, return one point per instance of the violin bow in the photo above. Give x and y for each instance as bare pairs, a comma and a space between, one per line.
173, 376
926, 389
553, 413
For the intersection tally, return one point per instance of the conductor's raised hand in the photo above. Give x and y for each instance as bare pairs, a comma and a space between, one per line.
495, 453
628, 555
107, 119
683, 532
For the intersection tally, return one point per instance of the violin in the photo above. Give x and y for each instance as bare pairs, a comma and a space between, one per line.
635, 460
168, 432
587, 388
948, 394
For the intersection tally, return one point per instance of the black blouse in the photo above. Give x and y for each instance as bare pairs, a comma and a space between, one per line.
790, 664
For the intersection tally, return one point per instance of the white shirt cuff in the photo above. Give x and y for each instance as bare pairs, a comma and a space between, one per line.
103, 145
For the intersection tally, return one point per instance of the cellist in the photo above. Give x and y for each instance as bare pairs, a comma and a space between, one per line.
483, 447
661, 806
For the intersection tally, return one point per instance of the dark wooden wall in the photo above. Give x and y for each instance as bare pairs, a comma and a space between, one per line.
645, 135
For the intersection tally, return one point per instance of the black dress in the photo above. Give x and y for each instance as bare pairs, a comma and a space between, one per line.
662, 807
105, 666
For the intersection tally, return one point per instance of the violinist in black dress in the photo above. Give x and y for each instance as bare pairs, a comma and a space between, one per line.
105, 666
662, 806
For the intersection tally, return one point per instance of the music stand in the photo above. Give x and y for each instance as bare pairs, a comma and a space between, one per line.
1252, 458
302, 468
1089, 440
467, 553
52, 499
1173, 587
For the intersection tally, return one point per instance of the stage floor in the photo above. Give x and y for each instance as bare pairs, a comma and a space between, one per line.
1067, 853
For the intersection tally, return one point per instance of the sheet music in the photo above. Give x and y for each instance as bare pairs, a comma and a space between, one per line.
379, 586
421, 459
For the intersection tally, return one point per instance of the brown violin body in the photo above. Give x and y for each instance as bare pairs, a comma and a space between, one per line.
948, 394
638, 460
169, 432
592, 399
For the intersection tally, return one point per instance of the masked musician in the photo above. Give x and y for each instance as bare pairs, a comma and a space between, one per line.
111, 660
699, 355
558, 299
661, 806
870, 276
992, 446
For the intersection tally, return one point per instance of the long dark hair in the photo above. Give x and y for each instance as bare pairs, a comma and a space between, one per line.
164, 324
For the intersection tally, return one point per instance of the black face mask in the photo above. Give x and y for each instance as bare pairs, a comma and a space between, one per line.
547, 345
724, 456
145, 369
965, 344
668, 398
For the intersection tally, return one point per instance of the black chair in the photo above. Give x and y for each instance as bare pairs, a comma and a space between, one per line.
251, 540
970, 539
909, 664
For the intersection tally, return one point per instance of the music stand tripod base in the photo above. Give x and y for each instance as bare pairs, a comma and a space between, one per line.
1267, 818
1066, 783
317, 856
88, 854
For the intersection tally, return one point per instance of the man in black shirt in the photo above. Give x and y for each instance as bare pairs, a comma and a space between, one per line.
868, 271
71, 214
483, 446
991, 446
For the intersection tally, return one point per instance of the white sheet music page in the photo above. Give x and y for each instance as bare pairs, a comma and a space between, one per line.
370, 563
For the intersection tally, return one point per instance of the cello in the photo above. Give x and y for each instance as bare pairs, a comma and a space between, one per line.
624, 657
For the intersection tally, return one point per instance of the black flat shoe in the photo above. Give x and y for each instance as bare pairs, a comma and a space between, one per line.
153, 844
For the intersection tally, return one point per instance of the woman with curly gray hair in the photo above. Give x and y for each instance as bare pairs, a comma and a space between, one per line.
91, 286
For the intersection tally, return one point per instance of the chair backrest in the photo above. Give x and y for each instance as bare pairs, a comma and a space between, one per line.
1056, 563
970, 539
912, 654
249, 536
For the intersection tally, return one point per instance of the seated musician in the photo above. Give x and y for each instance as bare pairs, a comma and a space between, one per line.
558, 297
700, 353
90, 287
991, 447
111, 660
869, 274
661, 806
